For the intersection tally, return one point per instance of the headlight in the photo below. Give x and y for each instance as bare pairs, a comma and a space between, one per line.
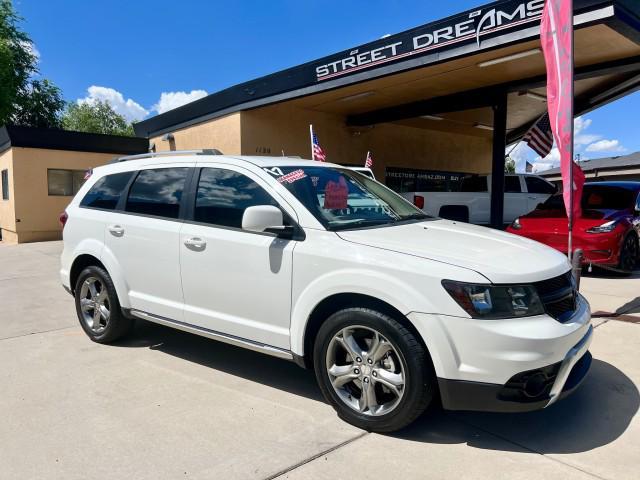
516, 225
605, 227
493, 303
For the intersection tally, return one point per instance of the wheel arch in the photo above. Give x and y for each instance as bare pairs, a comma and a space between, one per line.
79, 264
340, 301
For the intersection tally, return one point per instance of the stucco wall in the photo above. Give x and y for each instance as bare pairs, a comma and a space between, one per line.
222, 133
281, 127
284, 128
36, 212
7, 216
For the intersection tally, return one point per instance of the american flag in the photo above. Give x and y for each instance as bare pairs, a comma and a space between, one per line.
368, 163
540, 137
316, 149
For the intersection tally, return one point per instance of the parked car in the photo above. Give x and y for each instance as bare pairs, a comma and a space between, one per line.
472, 202
608, 231
317, 264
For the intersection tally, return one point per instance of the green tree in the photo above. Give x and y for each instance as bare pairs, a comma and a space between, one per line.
23, 100
97, 117
509, 165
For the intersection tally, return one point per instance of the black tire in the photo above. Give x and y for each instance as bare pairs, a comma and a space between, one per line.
117, 325
629, 254
419, 380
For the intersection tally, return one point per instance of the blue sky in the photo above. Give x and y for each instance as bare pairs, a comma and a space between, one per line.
148, 56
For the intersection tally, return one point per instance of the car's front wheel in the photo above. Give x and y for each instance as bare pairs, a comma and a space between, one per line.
374, 371
98, 307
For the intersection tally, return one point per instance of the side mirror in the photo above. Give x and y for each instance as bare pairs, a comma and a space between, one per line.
262, 218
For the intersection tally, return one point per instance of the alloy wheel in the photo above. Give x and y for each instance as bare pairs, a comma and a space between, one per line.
94, 304
366, 371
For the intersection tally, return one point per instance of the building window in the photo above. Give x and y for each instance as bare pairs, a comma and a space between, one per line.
65, 183
5, 184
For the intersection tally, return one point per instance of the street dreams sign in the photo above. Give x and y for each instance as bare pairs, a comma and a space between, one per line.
465, 28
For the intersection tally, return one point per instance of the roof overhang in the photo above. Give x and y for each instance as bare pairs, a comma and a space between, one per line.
45, 138
478, 36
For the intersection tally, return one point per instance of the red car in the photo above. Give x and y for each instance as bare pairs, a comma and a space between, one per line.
608, 231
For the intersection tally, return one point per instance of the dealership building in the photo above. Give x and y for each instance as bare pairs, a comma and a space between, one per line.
440, 98
430, 103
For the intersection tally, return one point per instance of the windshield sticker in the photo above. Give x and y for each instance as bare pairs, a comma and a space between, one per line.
275, 171
293, 176
336, 195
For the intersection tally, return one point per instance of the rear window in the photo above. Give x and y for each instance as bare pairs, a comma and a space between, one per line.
107, 191
594, 197
512, 184
157, 192
602, 197
537, 185
474, 183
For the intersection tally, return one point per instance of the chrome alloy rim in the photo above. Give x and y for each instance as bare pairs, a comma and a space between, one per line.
94, 304
365, 370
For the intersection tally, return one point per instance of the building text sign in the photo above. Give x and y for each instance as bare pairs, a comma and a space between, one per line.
471, 26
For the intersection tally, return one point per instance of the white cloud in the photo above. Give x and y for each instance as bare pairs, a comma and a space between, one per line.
606, 146
128, 108
550, 161
170, 100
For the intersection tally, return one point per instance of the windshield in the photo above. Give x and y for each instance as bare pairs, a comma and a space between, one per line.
341, 199
595, 197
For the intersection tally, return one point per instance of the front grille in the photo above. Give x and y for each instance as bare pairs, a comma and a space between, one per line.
558, 295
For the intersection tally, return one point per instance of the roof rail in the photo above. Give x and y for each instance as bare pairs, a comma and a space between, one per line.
173, 153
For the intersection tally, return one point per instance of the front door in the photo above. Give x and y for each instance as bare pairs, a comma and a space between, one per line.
234, 281
144, 238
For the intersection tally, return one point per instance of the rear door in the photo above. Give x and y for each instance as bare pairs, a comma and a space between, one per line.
515, 201
538, 190
144, 235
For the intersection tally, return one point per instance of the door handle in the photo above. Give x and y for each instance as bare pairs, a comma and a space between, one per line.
195, 243
116, 230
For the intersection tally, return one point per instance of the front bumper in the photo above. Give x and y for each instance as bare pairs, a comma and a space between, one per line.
486, 364
526, 391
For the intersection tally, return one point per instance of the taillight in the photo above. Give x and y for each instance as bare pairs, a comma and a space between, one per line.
63, 219
418, 201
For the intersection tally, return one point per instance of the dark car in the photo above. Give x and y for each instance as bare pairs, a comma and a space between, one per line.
608, 231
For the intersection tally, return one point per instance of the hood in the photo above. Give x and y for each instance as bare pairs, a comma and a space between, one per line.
587, 215
499, 256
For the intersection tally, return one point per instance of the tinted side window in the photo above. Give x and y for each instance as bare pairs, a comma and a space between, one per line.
157, 192
106, 191
223, 196
536, 185
474, 183
512, 184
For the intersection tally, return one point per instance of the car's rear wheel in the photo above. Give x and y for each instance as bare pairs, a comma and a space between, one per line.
629, 254
373, 371
98, 307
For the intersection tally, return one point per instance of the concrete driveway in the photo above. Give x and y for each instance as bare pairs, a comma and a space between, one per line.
164, 404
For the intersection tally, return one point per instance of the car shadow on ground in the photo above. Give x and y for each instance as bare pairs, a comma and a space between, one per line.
595, 415
253, 366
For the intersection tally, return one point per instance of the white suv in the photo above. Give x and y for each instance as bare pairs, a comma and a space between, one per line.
316, 263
